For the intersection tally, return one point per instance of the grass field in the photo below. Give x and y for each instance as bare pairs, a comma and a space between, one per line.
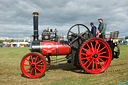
61, 73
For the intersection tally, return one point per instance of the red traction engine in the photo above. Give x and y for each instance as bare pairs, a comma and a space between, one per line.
93, 55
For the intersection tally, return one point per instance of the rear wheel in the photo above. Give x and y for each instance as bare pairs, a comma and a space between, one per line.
33, 65
95, 55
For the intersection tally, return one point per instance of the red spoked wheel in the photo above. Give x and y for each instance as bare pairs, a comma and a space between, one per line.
33, 65
95, 55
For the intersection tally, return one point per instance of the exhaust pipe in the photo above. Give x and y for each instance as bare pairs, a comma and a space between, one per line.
35, 26
35, 41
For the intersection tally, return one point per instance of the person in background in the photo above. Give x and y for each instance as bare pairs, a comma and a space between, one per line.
93, 29
102, 28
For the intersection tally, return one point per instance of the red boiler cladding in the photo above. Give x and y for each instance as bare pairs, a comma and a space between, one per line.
53, 48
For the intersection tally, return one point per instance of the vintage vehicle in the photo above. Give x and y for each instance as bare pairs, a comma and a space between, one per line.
93, 55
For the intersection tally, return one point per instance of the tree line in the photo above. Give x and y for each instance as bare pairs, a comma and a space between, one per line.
12, 40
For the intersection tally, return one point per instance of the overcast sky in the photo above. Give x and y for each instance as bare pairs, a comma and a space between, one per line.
16, 15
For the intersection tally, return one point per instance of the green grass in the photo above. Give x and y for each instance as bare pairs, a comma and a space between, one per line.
60, 73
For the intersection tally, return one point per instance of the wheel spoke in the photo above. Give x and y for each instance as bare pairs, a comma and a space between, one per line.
98, 47
96, 44
100, 63
28, 69
31, 58
31, 71
86, 62
73, 40
88, 46
83, 38
92, 46
73, 33
103, 52
104, 56
28, 61
85, 58
38, 69
83, 54
102, 60
96, 65
78, 29
74, 46
26, 65
41, 65
36, 59
102, 49
89, 63
87, 52
35, 72
85, 49
93, 65
82, 33
39, 61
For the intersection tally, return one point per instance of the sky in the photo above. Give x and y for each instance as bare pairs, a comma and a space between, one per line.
16, 20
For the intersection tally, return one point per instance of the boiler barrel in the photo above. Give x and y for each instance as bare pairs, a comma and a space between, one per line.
53, 48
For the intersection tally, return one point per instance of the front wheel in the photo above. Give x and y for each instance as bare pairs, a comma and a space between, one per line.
95, 55
33, 65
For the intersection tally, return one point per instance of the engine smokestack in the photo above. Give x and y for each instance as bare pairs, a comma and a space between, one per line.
35, 26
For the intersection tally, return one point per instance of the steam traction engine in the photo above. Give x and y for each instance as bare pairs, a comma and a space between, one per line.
93, 55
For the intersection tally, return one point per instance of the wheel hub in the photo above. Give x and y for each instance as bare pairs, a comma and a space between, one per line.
79, 35
95, 56
33, 65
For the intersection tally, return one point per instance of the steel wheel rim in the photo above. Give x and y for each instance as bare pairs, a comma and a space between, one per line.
33, 68
95, 55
